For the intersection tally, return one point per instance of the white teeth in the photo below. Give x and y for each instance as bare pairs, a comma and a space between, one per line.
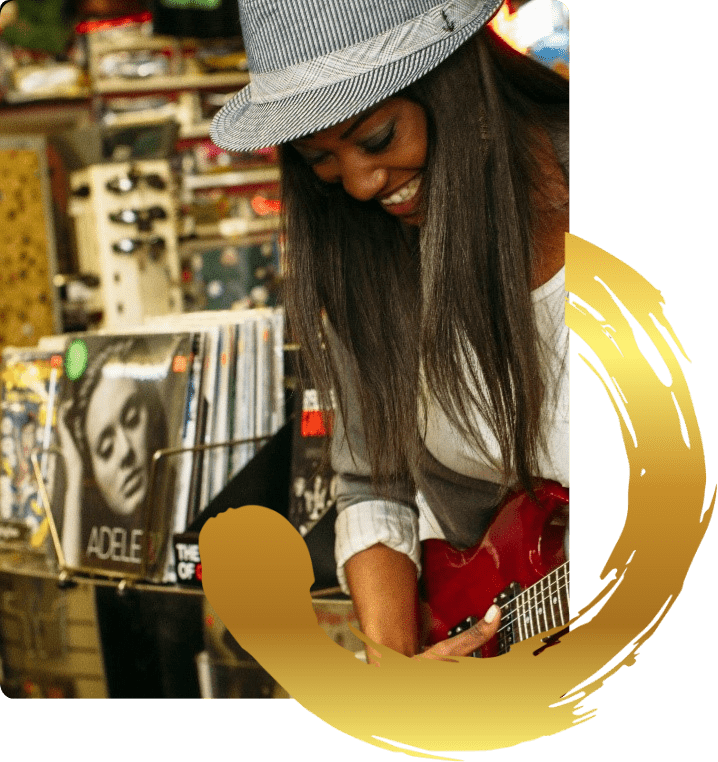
404, 194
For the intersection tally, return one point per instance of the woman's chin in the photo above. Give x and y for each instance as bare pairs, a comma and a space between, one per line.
129, 506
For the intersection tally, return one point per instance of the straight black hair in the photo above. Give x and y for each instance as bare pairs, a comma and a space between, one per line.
446, 311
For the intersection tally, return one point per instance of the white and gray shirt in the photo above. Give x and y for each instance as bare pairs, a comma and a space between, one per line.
456, 490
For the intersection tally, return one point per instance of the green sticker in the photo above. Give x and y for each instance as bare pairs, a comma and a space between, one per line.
76, 359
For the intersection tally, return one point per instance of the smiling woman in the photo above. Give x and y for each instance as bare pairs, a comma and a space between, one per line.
425, 200
379, 155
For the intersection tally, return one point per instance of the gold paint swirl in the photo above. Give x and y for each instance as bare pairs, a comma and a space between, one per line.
257, 571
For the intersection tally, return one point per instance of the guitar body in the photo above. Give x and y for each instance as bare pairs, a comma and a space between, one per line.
523, 544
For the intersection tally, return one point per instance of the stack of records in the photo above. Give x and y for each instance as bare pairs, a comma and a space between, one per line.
134, 418
30, 379
242, 391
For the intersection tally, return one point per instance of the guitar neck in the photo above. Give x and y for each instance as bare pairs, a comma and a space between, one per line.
536, 609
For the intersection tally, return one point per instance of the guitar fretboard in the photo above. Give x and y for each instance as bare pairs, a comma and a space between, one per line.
537, 609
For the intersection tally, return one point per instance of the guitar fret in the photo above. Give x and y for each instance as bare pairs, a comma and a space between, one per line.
566, 591
537, 607
555, 601
541, 607
544, 602
510, 636
553, 598
564, 594
522, 624
517, 620
530, 611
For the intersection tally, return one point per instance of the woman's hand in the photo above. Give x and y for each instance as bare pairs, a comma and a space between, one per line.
384, 592
468, 641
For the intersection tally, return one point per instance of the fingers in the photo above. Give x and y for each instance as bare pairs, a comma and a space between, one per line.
465, 643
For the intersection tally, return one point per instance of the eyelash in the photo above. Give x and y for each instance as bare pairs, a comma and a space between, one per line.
380, 142
130, 419
131, 415
373, 145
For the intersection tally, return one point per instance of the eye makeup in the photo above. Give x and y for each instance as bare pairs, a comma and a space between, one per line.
375, 142
310, 157
380, 140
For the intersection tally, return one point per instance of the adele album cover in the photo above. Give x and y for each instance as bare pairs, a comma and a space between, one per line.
122, 399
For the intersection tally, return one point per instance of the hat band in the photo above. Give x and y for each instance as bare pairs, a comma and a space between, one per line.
431, 27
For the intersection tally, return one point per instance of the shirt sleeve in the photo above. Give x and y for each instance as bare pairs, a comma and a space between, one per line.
362, 525
365, 518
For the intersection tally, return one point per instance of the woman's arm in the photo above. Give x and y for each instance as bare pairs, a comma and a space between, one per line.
378, 551
385, 596
384, 592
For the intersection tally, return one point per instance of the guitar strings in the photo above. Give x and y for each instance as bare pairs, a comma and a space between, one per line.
516, 605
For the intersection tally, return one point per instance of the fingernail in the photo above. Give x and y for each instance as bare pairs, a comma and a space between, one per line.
491, 614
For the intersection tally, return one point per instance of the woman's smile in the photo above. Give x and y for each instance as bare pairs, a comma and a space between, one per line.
378, 155
405, 200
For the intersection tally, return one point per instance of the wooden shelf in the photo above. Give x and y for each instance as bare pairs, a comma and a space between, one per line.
256, 176
15, 98
115, 85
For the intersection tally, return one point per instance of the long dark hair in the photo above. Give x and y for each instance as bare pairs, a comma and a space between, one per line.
453, 299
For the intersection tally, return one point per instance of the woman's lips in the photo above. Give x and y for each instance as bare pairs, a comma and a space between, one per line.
133, 483
404, 200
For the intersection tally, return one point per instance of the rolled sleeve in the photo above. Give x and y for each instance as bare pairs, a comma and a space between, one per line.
362, 525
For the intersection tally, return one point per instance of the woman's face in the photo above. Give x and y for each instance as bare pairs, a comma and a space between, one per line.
378, 155
117, 431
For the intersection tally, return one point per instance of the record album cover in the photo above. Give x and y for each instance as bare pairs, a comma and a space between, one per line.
30, 380
122, 399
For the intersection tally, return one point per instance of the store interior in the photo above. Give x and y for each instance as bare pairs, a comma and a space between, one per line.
130, 242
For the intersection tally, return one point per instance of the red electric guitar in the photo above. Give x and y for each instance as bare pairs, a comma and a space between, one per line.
520, 564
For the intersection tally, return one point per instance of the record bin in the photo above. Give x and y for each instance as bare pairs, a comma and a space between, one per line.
77, 633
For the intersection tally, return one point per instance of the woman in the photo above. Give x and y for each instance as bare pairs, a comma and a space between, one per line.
425, 191
109, 429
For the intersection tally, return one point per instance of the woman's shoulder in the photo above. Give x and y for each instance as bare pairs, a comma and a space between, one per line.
556, 284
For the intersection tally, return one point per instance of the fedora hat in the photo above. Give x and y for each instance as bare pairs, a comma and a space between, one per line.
315, 63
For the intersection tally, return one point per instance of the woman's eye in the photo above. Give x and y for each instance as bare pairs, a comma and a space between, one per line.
377, 143
104, 448
131, 415
316, 160
312, 158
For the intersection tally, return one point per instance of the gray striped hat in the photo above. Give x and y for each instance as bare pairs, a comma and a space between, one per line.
315, 63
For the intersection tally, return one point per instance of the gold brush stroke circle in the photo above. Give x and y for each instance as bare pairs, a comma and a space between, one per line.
257, 570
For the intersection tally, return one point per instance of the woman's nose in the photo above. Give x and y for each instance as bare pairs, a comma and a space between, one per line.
362, 179
126, 448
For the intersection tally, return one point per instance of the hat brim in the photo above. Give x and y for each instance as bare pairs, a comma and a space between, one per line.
243, 125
